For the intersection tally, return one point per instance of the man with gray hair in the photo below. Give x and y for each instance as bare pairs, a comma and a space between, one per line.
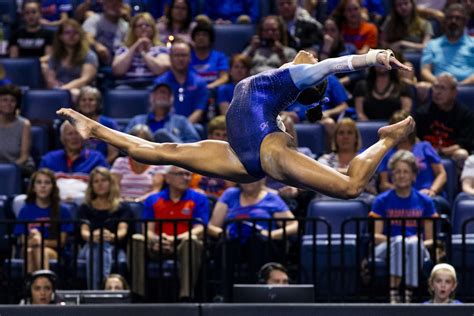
446, 124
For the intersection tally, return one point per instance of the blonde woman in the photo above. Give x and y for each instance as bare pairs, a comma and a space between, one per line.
107, 225
143, 57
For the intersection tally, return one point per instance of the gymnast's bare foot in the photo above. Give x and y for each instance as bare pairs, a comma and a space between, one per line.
83, 124
395, 132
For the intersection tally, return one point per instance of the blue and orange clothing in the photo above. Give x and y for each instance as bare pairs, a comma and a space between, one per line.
191, 205
32, 212
365, 34
58, 161
389, 205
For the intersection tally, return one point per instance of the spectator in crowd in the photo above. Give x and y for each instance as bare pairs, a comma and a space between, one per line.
72, 164
451, 52
210, 64
178, 22
89, 103
273, 273
445, 123
381, 95
15, 131
403, 201
189, 90
32, 39
303, 30
115, 282
239, 69
404, 30
107, 230
72, 64
106, 31
165, 125
55, 12
178, 202
233, 11
143, 57
346, 144
4, 80
42, 204
40, 288
355, 30
469, 5
431, 176
467, 177
138, 180
442, 284
269, 49
86, 9
213, 187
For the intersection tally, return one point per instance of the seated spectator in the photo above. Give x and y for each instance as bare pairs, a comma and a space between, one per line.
269, 49
86, 9
72, 64
239, 69
467, 177
89, 103
177, 201
189, 90
3, 77
346, 144
15, 131
210, 64
445, 123
32, 39
42, 204
106, 31
233, 11
404, 30
177, 23
381, 95
143, 57
72, 164
403, 201
137, 180
107, 218
303, 30
451, 52
40, 288
55, 12
442, 284
213, 187
354, 28
431, 176
115, 282
165, 125
273, 273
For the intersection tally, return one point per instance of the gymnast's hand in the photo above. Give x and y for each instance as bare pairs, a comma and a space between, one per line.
387, 59
83, 124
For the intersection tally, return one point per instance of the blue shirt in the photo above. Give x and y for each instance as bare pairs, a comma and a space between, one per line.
98, 144
225, 92
455, 58
31, 211
58, 161
265, 208
232, 9
51, 9
389, 204
190, 96
210, 67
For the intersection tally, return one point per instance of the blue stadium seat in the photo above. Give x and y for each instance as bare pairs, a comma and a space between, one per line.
125, 103
40, 143
137, 210
41, 105
415, 59
232, 39
368, 132
8, 12
311, 136
10, 179
462, 211
466, 96
23, 71
451, 186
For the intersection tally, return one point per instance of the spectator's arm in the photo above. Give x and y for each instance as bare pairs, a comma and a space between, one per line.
359, 106
291, 227
378, 232
87, 75
62, 18
158, 64
217, 219
223, 78
440, 178
468, 186
196, 116
335, 111
427, 73
122, 62
25, 144
122, 231
85, 232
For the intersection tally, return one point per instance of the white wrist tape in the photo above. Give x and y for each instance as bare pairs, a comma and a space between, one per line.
371, 56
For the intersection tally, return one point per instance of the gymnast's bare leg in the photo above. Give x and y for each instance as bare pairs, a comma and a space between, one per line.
279, 158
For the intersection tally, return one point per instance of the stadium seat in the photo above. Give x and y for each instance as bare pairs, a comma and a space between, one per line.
232, 39
40, 106
24, 72
137, 210
415, 59
39, 143
10, 179
369, 132
451, 186
462, 211
466, 96
8, 12
311, 136
125, 103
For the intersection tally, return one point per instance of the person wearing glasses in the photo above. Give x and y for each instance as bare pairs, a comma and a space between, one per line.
258, 145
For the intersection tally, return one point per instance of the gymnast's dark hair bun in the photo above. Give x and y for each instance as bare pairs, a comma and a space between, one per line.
314, 114
312, 95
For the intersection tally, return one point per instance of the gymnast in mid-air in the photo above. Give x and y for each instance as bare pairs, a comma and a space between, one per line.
258, 144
